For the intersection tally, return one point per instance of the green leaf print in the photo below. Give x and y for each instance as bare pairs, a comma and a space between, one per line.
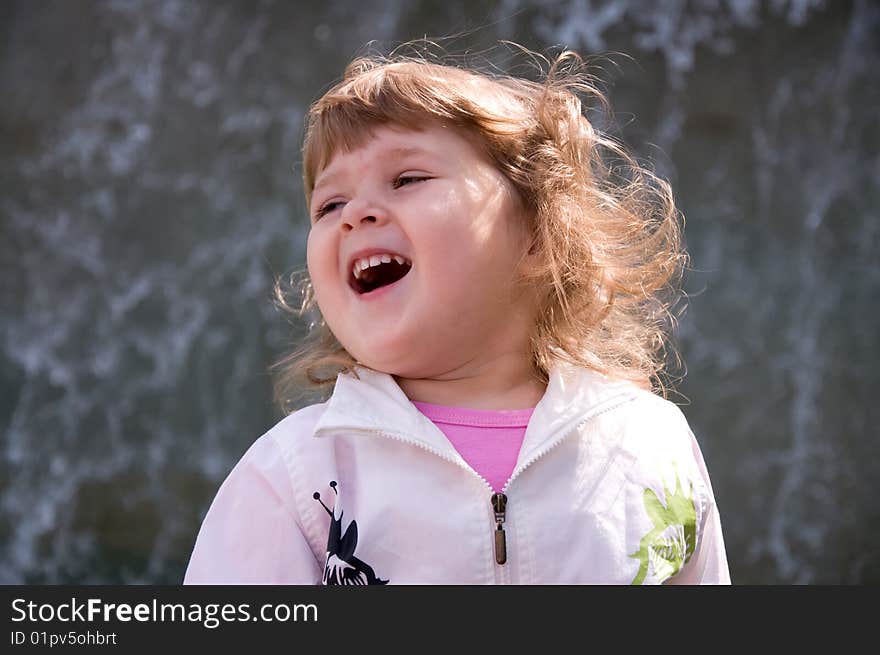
670, 543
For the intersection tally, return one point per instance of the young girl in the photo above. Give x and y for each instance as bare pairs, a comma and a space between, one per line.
490, 274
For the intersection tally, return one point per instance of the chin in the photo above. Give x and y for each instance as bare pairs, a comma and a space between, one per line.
408, 371
387, 363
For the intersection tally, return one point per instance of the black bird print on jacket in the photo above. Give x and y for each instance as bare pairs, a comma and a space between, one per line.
341, 566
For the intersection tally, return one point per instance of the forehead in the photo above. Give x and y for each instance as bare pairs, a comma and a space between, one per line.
385, 139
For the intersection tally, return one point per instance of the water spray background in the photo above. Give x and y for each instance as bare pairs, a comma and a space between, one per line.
148, 199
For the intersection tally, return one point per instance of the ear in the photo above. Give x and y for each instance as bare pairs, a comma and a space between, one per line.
528, 242
530, 256
529, 260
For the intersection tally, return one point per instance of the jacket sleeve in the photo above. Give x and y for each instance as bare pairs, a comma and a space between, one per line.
708, 564
252, 533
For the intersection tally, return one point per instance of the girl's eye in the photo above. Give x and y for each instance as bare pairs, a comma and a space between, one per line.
327, 208
403, 180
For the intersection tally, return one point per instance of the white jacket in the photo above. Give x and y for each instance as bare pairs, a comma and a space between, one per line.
609, 487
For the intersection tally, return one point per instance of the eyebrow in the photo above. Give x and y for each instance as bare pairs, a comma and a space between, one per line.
399, 151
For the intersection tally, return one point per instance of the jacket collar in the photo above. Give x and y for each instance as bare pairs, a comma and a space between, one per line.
375, 403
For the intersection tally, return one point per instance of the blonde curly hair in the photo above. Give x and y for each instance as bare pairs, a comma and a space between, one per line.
605, 228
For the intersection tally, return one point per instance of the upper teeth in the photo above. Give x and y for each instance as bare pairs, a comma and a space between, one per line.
374, 260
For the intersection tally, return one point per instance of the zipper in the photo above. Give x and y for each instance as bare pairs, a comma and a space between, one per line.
499, 500
499, 504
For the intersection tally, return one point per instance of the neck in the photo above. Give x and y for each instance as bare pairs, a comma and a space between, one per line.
506, 382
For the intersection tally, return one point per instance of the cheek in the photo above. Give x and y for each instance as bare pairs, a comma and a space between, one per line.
320, 263
318, 252
478, 247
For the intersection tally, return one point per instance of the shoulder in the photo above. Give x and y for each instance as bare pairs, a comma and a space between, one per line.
646, 436
265, 476
301, 419
295, 429
663, 458
654, 429
272, 456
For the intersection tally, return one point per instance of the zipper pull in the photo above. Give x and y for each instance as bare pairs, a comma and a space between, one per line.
499, 504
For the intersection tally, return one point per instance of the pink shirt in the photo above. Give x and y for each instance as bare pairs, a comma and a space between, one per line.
488, 440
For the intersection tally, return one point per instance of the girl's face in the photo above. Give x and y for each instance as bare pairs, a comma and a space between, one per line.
427, 198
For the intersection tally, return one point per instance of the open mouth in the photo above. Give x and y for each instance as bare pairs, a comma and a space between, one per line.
377, 271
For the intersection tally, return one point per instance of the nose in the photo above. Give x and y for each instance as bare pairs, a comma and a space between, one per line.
357, 214
349, 225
